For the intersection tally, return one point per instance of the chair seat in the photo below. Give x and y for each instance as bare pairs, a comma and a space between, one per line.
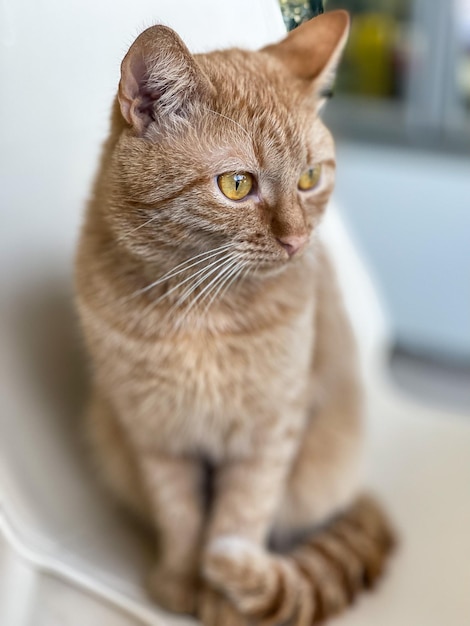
67, 558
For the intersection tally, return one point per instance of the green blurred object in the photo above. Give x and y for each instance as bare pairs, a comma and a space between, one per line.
377, 57
295, 12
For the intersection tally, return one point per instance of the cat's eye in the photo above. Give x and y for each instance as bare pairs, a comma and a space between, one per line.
235, 185
310, 178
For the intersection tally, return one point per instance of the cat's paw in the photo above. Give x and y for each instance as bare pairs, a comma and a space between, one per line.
174, 592
267, 589
214, 609
240, 569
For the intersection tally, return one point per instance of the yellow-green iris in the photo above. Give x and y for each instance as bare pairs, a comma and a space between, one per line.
310, 178
235, 185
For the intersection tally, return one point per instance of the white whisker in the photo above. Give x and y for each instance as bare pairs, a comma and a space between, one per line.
187, 279
139, 227
227, 283
222, 264
189, 291
231, 120
205, 271
183, 267
215, 292
213, 282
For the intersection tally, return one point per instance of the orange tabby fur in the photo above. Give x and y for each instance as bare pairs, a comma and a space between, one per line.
256, 376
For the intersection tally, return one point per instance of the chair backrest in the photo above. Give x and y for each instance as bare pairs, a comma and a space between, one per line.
59, 70
62, 64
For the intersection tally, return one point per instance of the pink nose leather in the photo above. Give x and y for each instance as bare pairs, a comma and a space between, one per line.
293, 243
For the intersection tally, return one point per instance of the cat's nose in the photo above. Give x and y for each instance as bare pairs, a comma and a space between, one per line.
293, 243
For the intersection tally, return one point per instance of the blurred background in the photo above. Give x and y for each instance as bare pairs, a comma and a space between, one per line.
401, 116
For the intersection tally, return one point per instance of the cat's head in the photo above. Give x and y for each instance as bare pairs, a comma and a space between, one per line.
225, 151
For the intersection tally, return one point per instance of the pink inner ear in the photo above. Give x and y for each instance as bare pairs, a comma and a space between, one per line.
136, 97
132, 87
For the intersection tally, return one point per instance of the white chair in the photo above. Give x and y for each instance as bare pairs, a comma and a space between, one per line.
66, 557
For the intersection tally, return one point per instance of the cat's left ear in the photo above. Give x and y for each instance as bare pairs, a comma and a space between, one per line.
313, 50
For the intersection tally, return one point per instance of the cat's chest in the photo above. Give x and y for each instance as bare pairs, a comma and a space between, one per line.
212, 391
213, 371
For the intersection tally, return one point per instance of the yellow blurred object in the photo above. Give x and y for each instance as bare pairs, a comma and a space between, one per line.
370, 54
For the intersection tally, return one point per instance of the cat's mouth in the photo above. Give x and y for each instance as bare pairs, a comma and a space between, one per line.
272, 265
266, 270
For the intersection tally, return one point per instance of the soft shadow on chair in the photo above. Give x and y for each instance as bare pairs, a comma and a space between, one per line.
47, 334
53, 465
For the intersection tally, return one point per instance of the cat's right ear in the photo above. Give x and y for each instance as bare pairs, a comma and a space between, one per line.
159, 79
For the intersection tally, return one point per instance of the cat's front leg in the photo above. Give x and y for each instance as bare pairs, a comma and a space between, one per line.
235, 559
174, 487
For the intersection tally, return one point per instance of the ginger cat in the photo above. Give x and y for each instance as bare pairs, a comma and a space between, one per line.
226, 406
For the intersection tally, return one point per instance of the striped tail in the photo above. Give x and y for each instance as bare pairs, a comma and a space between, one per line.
317, 579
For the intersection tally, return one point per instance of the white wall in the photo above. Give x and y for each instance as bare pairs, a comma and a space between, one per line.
59, 71
411, 213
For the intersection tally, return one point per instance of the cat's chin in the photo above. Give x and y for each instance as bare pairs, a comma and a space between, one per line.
268, 271
276, 267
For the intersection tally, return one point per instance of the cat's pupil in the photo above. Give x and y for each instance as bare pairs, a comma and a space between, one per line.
238, 181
